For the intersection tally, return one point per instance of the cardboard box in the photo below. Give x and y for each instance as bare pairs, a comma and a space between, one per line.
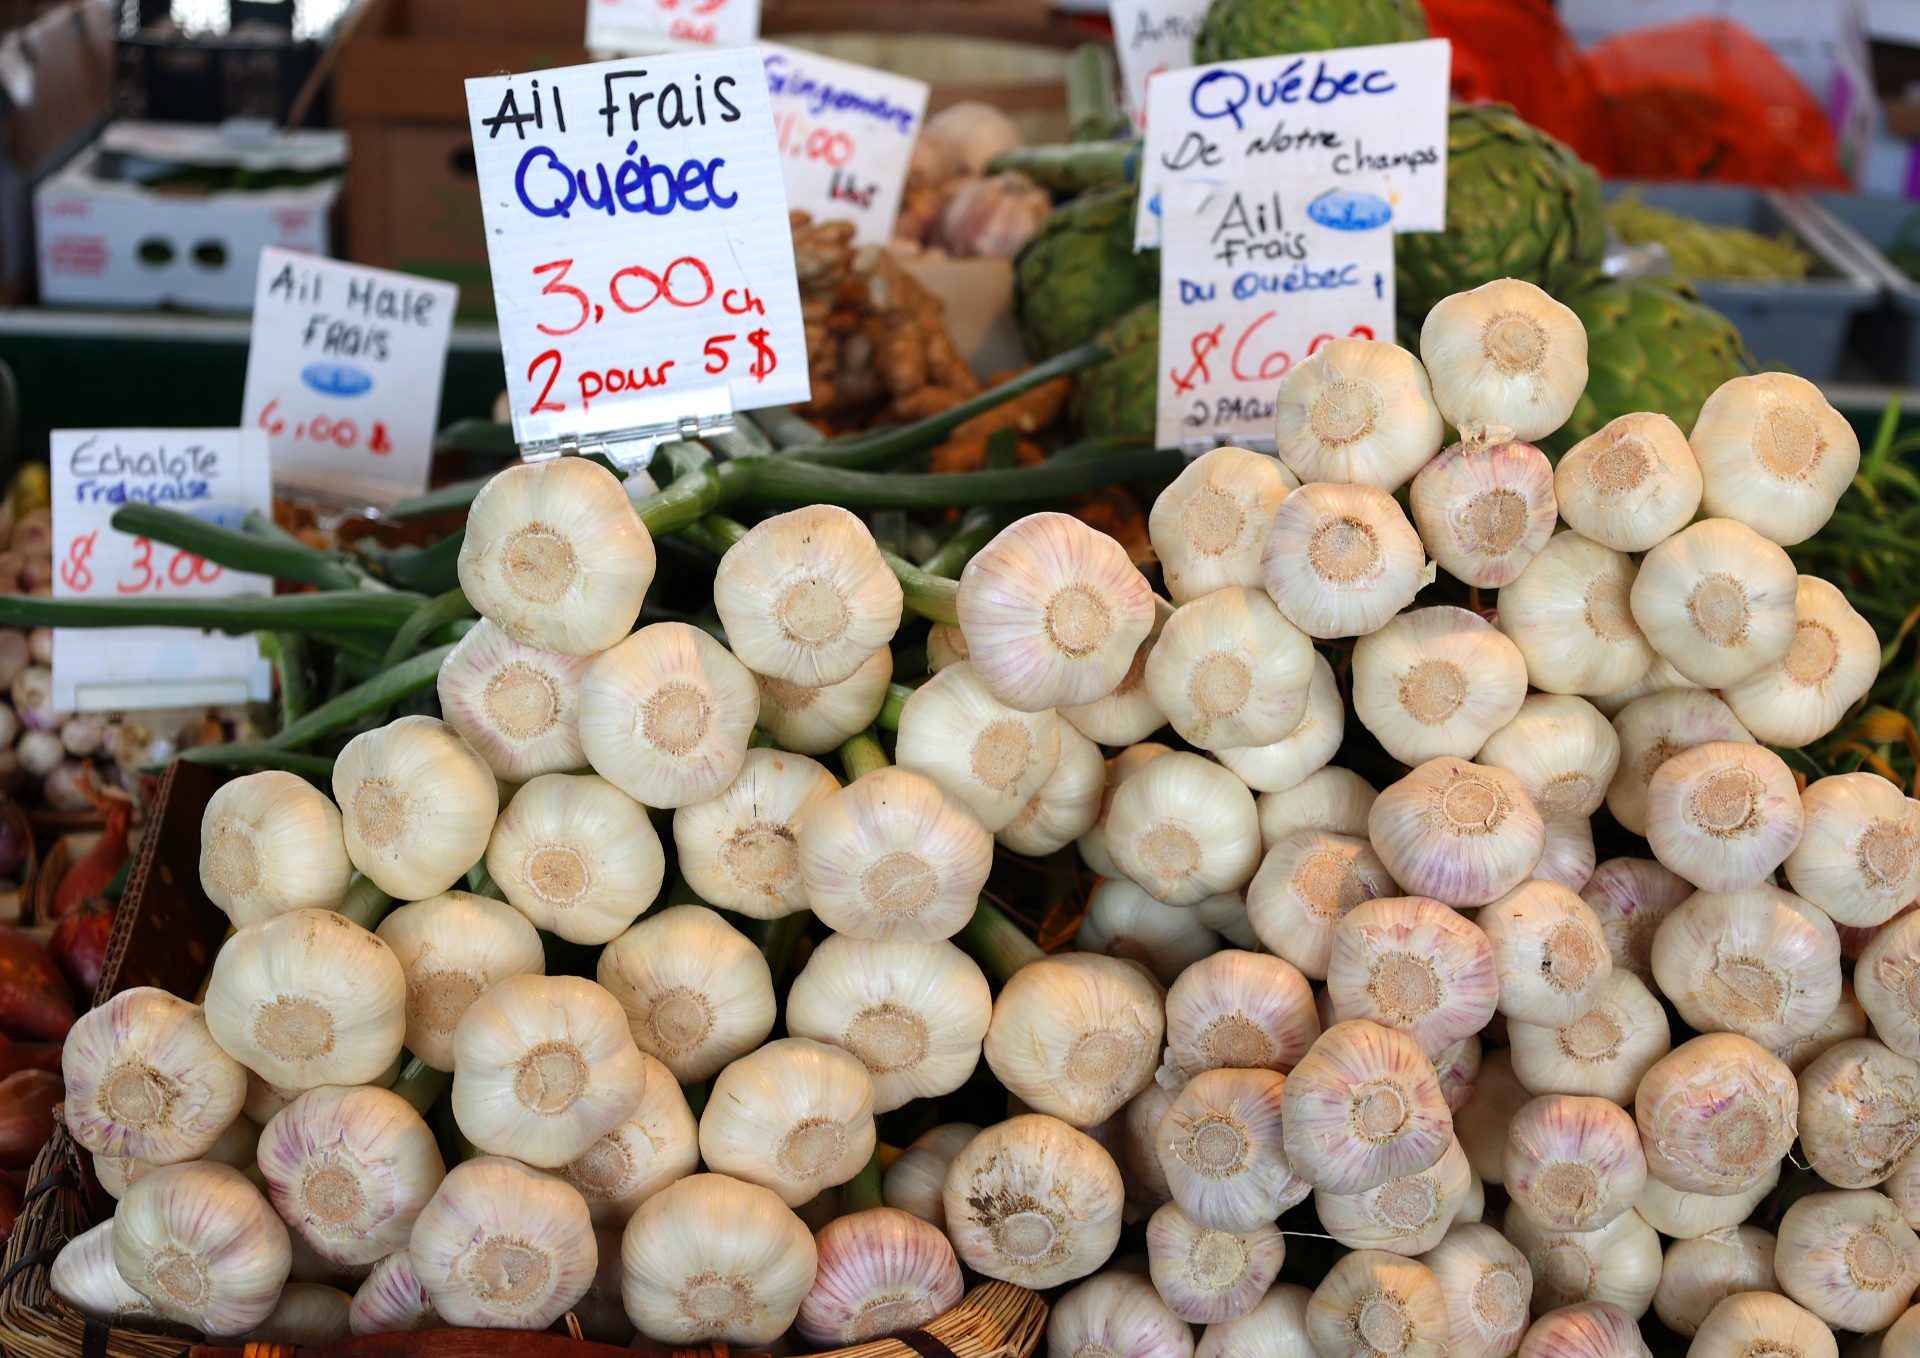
141, 219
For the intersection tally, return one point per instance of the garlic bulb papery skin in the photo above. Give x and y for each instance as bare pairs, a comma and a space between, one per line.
1120, 1315
1569, 613
741, 849
1548, 952
1847, 1021
1139, 1155
1660, 677
1632, 897
1594, 1329
1773, 455
1356, 412
1602, 1053
806, 597
1219, 1146
665, 716
1362, 1107
1698, 1274
913, 1013
658, 1145
817, 720
1408, 1215
1903, 1187
452, 948
881, 1271
1717, 599
711, 1257
1456, 1069
1562, 750
1687, 1216
236, 1146
1618, 1264
1315, 739
1481, 1122
1239, 1010
517, 705
271, 842
1436, 681
1206, 1275
795, 1116
1760, 962
1833, 661
308, 998
1724, 815
1411, 963
306, 1314
990, 756
1462, 833
576, 856
1183, 829
200, 1243
544, 1066
1887, 980
1306, 885
1275, 1328
1631, 485
555, 555
83, 1276
1076, 1035
1092, 846
1485, 511
893, 855
1567, 857
1506, 361
1858, 857
1766, 1322
1715, 1113
144, 1077
1653, 730
1332, 799
1126, 714
1034, 1202
696, 992
1052, 611
915, 1179
1372, 1304
1487, 1285
1341, 560
1230, 670
1859, 1112
1226, 915
503, 1247
1848, 1258
1209, 524
416, 804
1573, 1163
350, 1169
1066, 804
1124, 921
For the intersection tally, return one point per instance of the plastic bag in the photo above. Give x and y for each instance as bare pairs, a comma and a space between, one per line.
1549, 86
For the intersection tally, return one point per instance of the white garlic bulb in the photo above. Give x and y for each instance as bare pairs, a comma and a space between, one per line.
1487, 1285
1831, 664
1631, 484
714, 1258
1315, 739
1436, 681
893, 855
1887, 980
83, 1276
795, 1116
1847, 1021
696, 993
1456, 1069
1413, 964
1563, 752
517, 705
1306, 884
452, 948
1759, 962
1848, 1258
1715, 1113
1034, 1202
1570, 614
740, 850
1618, 1264
1767, 1322
1208, 525
1506, 360
1119, 1313
1356, 411
1076, 1035
1342, 559
416, 804
1126, 713
1066, 804
1485, 511
1717, 600
666, 714
1603, 1052
1462, 833
917, 1176
1774, 455
1230, 670
1206, 1275
1567, 856
992, 757
1362, 1107
1332, 799
1408, 1215
1548, 952
1660, 677
1220, 1147
271, 842
658, 1144
503, 1247
1686, 1216
1653, 730
1481, 1122
817, 720
880, 1272
1859, 1112
1858, 857
1239, 1010
235, 1146
1183, 829
1631, 897
577, 856
1723, 815
1591, 1329
144, 1077
1372, 1303
200, 1243
1092, 846
1573, 1163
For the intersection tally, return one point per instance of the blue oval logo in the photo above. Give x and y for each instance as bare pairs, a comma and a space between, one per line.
1347, 210
336, 379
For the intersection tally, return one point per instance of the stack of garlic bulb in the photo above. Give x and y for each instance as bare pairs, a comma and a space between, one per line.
1532, 1095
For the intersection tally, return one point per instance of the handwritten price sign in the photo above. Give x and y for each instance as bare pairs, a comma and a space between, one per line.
1251, 283
637, 231
215, 474
343, 375
1152, 36
845, 134
653, 25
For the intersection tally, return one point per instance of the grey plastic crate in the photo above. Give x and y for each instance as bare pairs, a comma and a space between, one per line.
1886, 339
1798, 324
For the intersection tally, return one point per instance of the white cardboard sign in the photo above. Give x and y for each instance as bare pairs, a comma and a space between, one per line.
1367, 113
343, 375
845, 134
637, 231
215, 474
661, 25
1152, 36
1253, 281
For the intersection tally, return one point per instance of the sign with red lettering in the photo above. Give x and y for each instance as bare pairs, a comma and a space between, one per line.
846, 134
343, 376
216, 474
637, 231
654, 25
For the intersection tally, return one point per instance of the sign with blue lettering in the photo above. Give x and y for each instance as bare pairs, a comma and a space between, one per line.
1376, 114
637, 231
846, 133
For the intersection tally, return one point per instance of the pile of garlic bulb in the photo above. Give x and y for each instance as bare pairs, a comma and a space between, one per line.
1532, 1096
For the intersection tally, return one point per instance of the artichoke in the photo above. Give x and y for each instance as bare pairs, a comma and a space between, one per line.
1236, 29
1519, 205
1650, 346
1079, 271
1116, 399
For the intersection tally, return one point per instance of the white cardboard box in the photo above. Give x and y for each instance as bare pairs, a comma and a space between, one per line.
109, 236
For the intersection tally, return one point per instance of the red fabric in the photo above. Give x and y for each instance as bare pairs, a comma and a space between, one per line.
1518, 52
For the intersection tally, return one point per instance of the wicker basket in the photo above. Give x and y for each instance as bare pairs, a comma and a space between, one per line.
166, 934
